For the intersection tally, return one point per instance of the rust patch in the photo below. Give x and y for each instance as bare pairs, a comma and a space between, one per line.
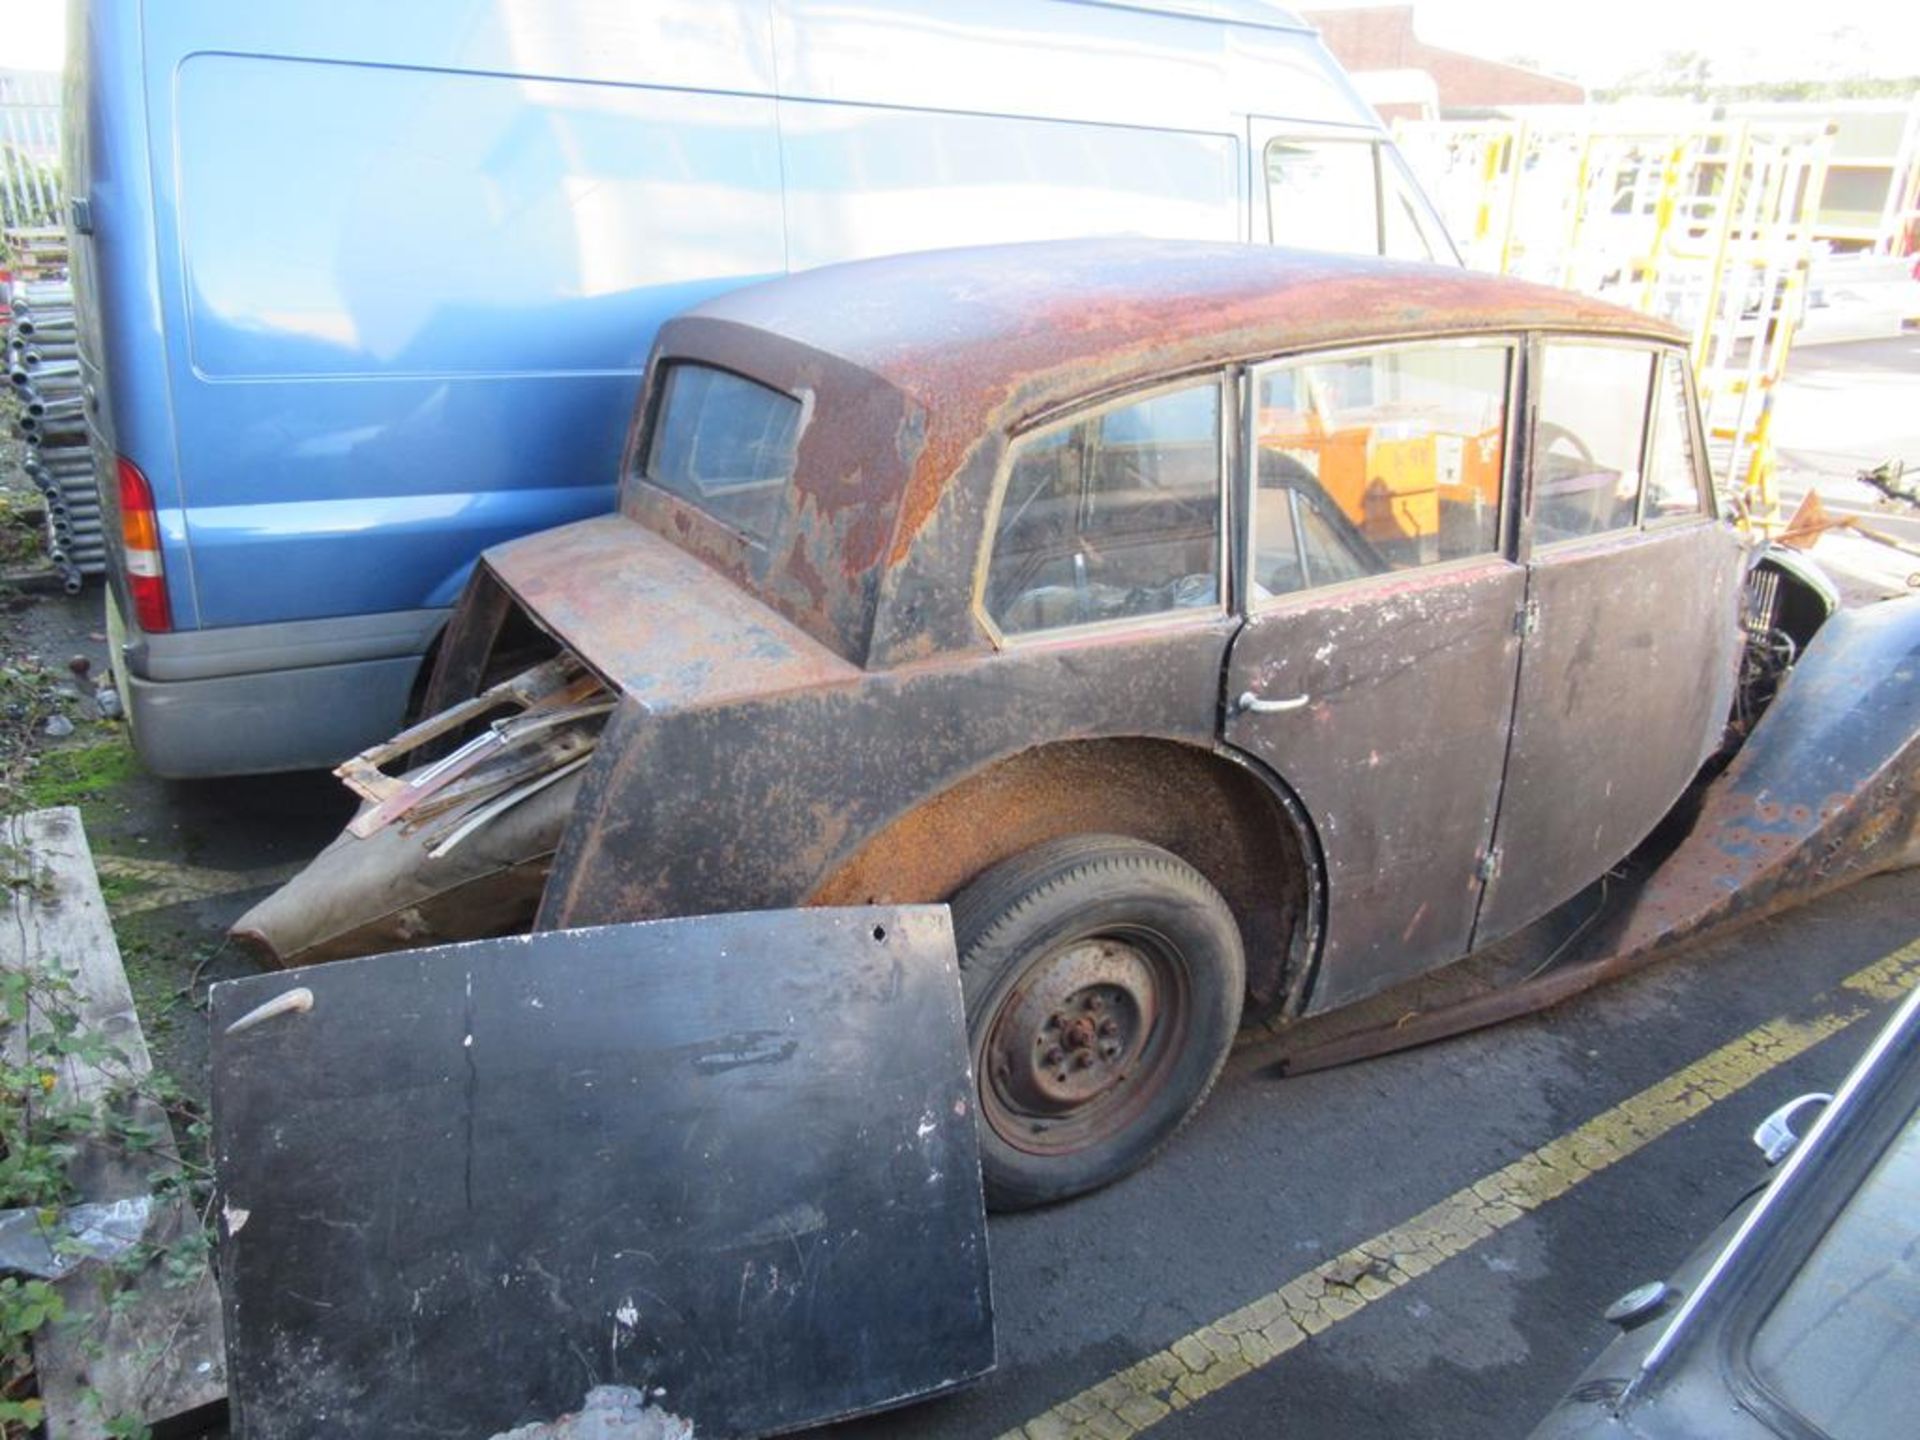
1212, 815
916, 364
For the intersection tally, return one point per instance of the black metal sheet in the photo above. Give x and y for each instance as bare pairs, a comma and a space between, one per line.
731, 1159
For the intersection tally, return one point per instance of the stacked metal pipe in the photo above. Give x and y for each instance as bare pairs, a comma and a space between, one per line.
44, 366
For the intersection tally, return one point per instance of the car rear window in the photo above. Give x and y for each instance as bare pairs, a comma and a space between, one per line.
724, 444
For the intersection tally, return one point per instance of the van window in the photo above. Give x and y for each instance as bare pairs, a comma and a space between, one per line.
1111, 516
1411, 230
726, 445
1323, 195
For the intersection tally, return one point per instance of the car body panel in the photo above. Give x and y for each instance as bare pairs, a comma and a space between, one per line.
1397, 757
683, 635
469, 1170
814, 773
822, 711
1625, 690
1824, 792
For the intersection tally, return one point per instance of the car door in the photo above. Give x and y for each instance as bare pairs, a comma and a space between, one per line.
1632, 618
1375, 670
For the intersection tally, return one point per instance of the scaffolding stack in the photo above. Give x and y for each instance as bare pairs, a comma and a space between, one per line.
1707, 223
44, 367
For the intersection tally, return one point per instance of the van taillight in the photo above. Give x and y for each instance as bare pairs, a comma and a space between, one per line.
140, 537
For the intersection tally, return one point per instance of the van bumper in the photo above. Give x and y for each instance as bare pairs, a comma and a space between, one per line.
258, 698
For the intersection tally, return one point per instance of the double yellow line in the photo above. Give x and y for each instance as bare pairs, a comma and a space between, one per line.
1260, 1332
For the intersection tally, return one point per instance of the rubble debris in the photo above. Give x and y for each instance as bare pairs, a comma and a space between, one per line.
33, 1244
611, 1412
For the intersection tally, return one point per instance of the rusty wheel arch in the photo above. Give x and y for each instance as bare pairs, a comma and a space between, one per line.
1228, 817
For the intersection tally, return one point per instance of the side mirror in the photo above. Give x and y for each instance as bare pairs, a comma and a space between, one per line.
1776, 1136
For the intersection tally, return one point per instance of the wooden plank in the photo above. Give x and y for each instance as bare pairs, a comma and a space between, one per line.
157, 1351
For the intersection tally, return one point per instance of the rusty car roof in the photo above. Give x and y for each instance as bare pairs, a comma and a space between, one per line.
1061, 319
918, 367
987, 338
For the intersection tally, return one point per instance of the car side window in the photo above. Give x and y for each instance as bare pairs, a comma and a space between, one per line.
1111, 516
1674, 471
1377, 461
1587, 442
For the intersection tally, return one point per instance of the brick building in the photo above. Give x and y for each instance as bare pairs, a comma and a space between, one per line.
1378, 42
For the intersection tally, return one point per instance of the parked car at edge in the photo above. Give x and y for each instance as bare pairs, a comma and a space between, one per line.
365, 288
1800, 1317
1213, 626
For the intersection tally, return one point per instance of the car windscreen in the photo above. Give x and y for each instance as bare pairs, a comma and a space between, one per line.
724, 444
1841, 1345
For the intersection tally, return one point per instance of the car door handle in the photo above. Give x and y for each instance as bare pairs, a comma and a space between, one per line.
1251, 704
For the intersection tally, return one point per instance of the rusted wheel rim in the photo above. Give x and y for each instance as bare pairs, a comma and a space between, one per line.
1086, 1037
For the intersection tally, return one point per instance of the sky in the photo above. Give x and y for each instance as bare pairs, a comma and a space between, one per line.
1594, 43
33, 34
1747, 39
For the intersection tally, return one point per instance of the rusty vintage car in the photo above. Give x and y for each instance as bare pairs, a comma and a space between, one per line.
1221, 631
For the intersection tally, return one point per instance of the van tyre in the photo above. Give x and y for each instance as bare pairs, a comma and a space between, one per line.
1103, 981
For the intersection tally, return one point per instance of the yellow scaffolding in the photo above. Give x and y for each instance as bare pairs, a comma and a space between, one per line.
1707, 223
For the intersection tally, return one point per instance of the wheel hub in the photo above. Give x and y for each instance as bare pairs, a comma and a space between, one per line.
1075, 1028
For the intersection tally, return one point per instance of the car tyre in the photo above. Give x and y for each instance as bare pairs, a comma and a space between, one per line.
1103, 981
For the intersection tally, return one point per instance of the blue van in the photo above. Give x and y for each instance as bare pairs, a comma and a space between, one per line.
366, 288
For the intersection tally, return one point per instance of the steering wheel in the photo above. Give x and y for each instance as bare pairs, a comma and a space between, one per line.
1546, 435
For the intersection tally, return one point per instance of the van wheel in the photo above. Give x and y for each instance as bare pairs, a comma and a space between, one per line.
1103, 980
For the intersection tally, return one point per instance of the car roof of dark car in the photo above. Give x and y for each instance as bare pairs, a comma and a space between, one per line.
1050, 323
914, 367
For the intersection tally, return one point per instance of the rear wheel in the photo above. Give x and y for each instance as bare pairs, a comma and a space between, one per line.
1103, 980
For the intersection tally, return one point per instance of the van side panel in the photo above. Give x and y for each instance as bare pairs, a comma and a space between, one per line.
1064, 60
906, 126
116, 280
373, 284
930, 179
417, 304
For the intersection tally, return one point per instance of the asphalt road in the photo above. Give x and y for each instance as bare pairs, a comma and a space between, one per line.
1277, 1177
1238, 1221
